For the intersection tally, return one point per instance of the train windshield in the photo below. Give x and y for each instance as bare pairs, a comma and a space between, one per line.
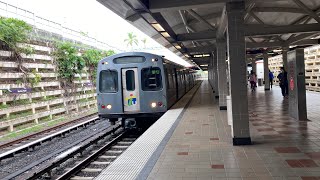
108, 81
151, 79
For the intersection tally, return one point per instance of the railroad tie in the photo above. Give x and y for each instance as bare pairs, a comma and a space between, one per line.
81, 178
108, 157
129, 139
120, 147
114, 152
93, 170
100, 163
124, 143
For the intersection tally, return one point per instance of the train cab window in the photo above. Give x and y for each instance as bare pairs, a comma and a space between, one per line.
130, 81
151, 79
108, 81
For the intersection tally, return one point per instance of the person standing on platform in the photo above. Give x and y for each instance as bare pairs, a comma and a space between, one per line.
283, 79
253, 80
271, 78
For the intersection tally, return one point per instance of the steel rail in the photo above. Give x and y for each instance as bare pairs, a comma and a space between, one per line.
58, 161
42, 132
88, 160
38, 142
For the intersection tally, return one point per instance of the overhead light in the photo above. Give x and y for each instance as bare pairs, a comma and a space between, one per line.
157, 26
165, 34
277, 50
204, 65
178, 47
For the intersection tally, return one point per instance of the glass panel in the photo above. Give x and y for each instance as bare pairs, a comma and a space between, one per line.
108, 81
129, 59
130, 80
151, 79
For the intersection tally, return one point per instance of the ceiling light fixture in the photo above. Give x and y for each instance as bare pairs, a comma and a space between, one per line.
165, 34
158, 27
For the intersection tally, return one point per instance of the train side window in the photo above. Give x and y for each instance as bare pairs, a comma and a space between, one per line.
151, 79
108, 81
130, 80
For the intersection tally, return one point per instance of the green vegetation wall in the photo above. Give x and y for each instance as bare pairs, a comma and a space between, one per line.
43, 80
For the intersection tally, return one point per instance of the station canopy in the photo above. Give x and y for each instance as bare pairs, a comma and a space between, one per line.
189, 28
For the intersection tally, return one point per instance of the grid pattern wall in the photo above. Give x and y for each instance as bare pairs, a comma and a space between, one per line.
312, 67
46, 100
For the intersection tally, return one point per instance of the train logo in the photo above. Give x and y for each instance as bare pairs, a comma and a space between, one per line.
131, 100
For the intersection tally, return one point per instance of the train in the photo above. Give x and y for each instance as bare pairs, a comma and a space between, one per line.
136, 85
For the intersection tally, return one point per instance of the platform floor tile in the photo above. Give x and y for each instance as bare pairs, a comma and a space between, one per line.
283, 148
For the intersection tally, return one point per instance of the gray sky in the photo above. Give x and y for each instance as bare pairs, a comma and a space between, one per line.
93, 18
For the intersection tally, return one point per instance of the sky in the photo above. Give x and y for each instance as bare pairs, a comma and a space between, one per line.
91, 17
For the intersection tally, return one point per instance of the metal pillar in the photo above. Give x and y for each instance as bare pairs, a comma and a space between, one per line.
211, 75
297, 88
222, 76
237, 68
285, 57
215, 72
266, 71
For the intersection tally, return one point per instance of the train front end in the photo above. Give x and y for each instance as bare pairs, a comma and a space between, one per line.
131, 85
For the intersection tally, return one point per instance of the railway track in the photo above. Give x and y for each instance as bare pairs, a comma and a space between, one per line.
34, 143
91, 165
81, 158
24, 140
18, 162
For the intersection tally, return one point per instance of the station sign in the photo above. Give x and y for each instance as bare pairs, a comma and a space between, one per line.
19, 90
201, 55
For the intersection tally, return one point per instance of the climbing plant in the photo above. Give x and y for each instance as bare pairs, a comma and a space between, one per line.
92, 58
12, 33
36, 79
69, 62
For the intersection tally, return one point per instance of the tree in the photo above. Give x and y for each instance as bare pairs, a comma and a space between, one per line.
144, 41
13, 32
131, 39
92, 58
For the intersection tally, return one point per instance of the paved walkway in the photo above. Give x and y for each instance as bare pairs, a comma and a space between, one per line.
201, 146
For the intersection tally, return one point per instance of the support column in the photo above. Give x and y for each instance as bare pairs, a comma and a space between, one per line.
254, 65
237, 68
266, 71
222, 76
215, 72
285, 57
210, 75
297, 88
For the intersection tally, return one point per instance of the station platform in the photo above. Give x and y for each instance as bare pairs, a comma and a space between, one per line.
198, 145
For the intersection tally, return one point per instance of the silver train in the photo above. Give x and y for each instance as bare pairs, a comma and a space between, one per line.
138, 85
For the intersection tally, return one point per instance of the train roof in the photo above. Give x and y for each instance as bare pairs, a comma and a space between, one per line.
165, 60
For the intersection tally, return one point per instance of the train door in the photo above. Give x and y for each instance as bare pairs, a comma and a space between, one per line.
130, 90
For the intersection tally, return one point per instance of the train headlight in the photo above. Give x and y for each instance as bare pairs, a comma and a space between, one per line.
109, 106
153, 105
